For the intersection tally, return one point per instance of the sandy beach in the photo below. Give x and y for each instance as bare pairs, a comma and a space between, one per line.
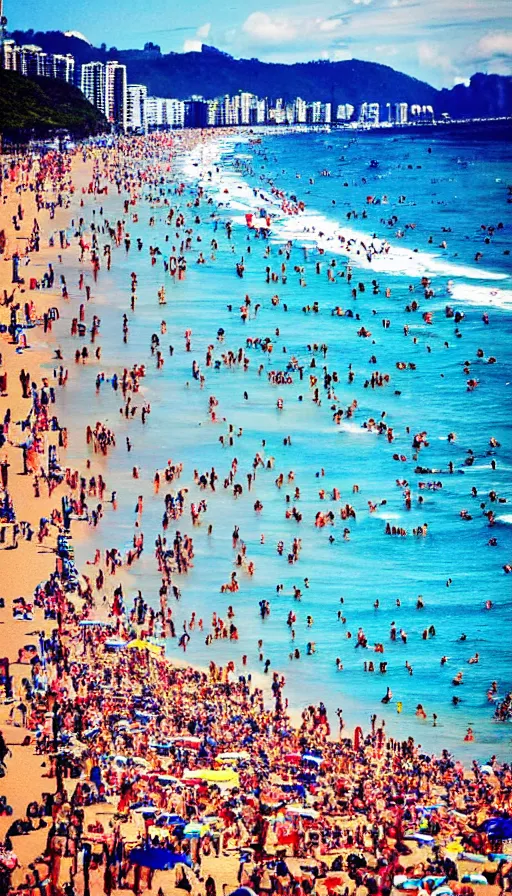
104, 736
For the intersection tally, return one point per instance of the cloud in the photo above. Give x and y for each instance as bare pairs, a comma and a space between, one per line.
431, 55
270, 29
492, 52
435, 40
195, 44
497, 44
192, 46
204, 30
281, 28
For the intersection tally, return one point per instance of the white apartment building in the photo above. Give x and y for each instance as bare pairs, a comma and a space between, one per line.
175, 113
261, 111
63, 67
33, 62
92, 84
163, 112
116, 94
344, 112
136, 117
300, 111
10, 56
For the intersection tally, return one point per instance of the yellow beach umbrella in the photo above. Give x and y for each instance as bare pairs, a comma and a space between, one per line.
139, 644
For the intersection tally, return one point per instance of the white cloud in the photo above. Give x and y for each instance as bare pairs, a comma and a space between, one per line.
431, 56
203, 30
195, 44
278, 29
270, 29
192, 46
496, 44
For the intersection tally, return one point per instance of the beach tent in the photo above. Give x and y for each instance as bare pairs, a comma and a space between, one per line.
158, 858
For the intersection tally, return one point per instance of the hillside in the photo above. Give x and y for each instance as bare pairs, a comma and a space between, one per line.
39, 107
212, 73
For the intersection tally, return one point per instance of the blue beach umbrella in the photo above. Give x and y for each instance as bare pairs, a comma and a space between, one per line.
497, 828
243, 891
158, 858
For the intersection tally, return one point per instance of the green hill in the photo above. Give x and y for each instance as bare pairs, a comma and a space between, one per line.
38, 107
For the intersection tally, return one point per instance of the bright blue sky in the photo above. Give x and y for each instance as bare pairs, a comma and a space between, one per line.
439, 41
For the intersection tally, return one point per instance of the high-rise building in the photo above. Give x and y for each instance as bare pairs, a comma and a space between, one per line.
63, 67
315, 112
344, 112
10, 56
116, 100
300, 111
92, 84
213, 115
369, 114
195, 113
247, 109
401, 110
175, 113
373, 114
136, 116
154, 112
261, 111
33, 62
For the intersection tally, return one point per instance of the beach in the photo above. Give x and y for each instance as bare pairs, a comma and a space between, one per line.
223, 434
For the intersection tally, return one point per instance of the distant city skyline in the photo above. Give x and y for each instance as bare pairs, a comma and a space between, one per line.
438, 42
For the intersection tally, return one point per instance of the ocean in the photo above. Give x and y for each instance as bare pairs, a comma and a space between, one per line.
426, 188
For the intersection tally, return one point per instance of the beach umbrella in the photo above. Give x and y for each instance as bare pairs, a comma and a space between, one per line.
191, 743
196, 829
167, 780
233, 757
168, 819
432, 881
213, 775
114, 644
302, 812
158, 858
85, 622
442, 891
138, 644
487, 770
243, 891
497, 828
475, 879
309, 757
292, 758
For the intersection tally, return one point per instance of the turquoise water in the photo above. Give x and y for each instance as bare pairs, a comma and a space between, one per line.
460, 184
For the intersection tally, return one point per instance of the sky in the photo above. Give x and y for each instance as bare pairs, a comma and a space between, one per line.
442, 42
